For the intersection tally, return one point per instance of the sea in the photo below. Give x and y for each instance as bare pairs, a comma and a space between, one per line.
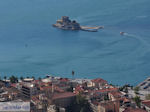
30, 46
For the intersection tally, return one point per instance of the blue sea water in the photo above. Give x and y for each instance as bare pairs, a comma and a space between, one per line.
30, 46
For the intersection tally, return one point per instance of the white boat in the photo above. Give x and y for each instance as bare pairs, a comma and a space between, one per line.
122, 33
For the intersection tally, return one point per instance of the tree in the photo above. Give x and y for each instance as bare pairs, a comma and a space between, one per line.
21, 78
147, 97
136, 90
70, 89
13, 79
5, 77
106, 97
39, 78
126, 90
137, 101
33, 77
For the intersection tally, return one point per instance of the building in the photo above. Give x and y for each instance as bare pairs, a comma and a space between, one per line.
106, 106
109, 106
51, 108
28, 89
104, 92
99, 83
114, 95
129, 109
146, 104
145, 85
63, 99
28, 79
66, 23
78, 89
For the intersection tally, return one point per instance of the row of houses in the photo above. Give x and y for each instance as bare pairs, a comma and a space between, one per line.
54, 93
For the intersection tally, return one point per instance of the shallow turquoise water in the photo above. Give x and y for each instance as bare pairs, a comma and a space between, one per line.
29, 45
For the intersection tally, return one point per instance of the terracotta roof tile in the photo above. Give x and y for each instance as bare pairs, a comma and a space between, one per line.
99, 80
107, 90
126, 100
134, 110
64, 79
116, 94
45, 87
146, 103
63, 95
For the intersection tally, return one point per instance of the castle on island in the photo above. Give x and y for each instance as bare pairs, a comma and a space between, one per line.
66, 24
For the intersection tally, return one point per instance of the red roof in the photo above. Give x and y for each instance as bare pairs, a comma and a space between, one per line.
36, 81
116, 94
126, 100
107, 90
63, 95
45, 87
35, 99
58, 89
79, 89
95, 102
146, 103
134, 110
99, 80
13, 85
64, 79
45, 83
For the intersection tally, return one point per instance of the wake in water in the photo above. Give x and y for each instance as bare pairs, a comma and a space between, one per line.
137, 37
129, 35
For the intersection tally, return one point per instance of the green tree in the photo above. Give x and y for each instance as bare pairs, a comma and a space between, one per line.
147, 97
136, 90
106, 97
39, 78
70, 89
21, 78
5, 77
33, 77
126, 90
137, 101
13, 79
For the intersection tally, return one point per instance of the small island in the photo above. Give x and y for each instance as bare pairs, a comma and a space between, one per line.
66, 24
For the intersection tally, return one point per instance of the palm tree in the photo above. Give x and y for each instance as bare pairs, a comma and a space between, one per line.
33, 77
13, 79
27, 77
21, 78
39, 78
137, 101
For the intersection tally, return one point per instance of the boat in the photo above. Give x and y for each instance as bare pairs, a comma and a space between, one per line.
122, 33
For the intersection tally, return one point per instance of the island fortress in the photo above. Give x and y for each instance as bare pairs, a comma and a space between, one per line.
66, 24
